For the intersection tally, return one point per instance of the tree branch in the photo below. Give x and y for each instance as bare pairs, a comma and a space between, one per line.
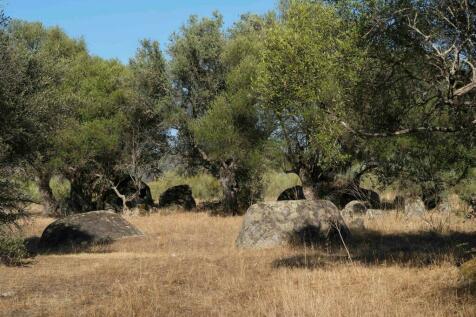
402, 131
467, 88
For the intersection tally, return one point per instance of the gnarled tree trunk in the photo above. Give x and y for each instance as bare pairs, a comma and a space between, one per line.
308, 185
50, 205
229, 185
80, 198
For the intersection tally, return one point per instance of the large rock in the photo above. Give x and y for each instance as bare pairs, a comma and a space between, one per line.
414, 206
180, 195
341, 195
85, 229
271, 224
353, 193
355, 207
293, 193
452, 204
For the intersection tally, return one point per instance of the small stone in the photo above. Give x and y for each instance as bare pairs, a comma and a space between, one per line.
7, 294
375, 212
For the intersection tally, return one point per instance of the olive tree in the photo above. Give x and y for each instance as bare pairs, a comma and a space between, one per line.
309, 64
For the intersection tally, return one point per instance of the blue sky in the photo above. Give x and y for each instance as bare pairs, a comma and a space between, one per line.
113, 28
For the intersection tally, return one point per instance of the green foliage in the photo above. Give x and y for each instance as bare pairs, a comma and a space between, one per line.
233, 132
196, 68
276, 183
15, 123
12, 250
59, 185
321, 88
144, 130
406, 84
308, 64
204, 186
91, 144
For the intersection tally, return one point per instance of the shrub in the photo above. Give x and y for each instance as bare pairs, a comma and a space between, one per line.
12, 250
12, 201
204, 186
59, 185
276, 183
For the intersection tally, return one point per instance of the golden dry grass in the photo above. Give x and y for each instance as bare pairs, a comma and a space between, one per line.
187, 265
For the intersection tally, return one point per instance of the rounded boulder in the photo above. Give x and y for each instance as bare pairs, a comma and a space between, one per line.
355, 207
180, 195
271, 224
414, 206
93, 227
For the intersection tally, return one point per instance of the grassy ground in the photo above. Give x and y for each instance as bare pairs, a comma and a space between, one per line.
187, 265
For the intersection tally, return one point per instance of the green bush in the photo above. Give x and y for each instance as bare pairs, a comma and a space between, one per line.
204, 186
12, 250
275, 183
59, 186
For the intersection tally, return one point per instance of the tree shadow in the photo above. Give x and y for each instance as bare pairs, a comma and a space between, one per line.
374, 248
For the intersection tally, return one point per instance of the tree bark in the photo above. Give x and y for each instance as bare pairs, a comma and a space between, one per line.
230, 188
123, 198
308, 185
80, 200
50, 205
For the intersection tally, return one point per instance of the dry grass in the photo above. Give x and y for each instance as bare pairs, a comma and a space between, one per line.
187, 265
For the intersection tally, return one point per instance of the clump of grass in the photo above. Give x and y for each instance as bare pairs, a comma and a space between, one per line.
468, 272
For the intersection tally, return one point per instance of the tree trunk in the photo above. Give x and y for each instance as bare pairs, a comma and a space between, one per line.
50, 205
123, 198
230, 188
80, 199
308, 185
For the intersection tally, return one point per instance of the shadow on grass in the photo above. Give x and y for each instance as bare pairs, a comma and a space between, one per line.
374, 248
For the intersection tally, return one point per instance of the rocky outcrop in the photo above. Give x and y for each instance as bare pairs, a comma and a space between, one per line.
293, 193
178, 196
272, 224
81, 230
414, 206
341, 195
350, 194
355, 207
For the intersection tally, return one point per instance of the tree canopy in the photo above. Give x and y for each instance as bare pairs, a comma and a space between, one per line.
316, 88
